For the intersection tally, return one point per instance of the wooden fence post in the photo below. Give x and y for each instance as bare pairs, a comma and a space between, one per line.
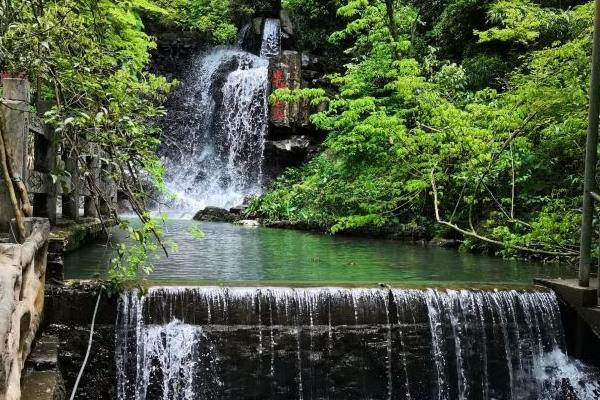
13, 117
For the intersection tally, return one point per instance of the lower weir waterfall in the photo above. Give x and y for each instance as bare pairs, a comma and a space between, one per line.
343, 343
214, 138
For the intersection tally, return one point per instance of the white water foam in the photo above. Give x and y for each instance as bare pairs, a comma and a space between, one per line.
213, 146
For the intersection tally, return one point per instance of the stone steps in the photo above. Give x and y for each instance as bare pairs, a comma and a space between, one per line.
42, 385
41, 379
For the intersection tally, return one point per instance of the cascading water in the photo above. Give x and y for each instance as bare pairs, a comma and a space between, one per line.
325, 343
271, 40
214, 135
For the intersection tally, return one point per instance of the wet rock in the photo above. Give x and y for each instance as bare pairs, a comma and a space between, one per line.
310, 75
68, 311
241, 208
311, 62
445, 243
214, 214
294, 144
286, 22
290, 152
238, 210
248, 222
99, 379
257, 25
44, 356
247, 39
285, 153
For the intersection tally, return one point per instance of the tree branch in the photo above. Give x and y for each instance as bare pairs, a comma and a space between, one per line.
472, 233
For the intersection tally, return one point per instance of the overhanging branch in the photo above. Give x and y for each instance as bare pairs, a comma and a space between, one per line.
472, 233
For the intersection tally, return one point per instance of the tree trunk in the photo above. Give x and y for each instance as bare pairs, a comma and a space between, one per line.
392, 26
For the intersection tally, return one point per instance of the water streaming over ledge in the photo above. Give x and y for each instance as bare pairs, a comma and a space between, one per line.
214, 138
326, 343
271, 39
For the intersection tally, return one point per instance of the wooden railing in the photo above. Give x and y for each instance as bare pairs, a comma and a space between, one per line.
22, 281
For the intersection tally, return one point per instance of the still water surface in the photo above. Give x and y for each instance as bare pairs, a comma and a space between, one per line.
230, 253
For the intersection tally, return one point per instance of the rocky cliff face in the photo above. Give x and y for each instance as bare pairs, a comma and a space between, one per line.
292, 140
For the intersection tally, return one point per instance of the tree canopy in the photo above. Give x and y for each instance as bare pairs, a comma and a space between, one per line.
481, 105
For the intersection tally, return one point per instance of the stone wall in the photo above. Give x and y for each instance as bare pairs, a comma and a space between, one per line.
68, 313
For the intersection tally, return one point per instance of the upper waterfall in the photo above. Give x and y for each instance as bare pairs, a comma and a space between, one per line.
271, 39
213, 142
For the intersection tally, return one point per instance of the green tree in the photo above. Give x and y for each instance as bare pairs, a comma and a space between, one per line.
503, 161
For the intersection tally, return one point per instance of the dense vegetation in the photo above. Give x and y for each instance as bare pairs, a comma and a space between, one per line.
480, 104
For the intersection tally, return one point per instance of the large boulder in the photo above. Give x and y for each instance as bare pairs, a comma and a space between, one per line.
291, 152
295, 144
251, 223
214, 214
311, 62
286, 73
286, 23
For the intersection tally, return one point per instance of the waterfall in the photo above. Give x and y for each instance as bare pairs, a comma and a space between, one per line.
271, 40
213, 136
319, 343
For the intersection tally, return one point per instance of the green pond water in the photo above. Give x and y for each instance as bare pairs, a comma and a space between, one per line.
231, 254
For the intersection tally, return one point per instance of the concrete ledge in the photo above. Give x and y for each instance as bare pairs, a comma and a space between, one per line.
592, 316
581, 315
68, 236
44, 356
74, 305
569, 290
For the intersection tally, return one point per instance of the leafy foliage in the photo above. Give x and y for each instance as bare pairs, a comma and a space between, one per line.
216, 18
501, 137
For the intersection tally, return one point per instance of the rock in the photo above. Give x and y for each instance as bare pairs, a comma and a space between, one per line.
311, 62
445, 243
286, 72
257, 24
238, 210
294, 144
252, 223
310, 75
249, 199
214, 214
291, 152
286, 22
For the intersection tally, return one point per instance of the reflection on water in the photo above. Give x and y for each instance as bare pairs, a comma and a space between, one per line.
231, 253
